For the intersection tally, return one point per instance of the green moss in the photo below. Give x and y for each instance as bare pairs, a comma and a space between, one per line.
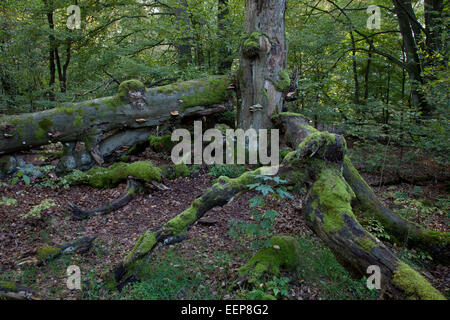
334, 195
112, 103
161, 144
129, 85
260, 295
251, 45
47, 253
78, 121
270, 260
8, 285
283, 84
44, 127
207, 92
181, 223
367, 244
143, 246
182, 170
284, 153
415, 286
107, 178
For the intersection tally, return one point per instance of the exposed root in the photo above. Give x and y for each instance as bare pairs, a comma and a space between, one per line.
133, 189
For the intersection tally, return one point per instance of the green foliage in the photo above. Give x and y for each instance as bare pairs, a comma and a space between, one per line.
36, 211
230, 171
167, 279
260, 231
9, 202
20, 175
318, 267
375, 227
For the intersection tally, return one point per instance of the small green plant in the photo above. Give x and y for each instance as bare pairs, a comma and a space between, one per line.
21, 175
9, 202
36, 211
230, 171
375, 227
279, 287
260, 231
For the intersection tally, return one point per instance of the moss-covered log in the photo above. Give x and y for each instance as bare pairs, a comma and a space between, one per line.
13, 291
133, 108
45, 254
296, 128
402, 231
218, 195
329, 213
137, 173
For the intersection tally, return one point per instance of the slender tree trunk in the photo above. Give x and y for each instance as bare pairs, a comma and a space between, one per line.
225, 58
51, 57
354, 68
407, 24
367, 74
184, 48
263, 78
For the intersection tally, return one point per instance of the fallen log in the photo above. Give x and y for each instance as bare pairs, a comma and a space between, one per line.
108, 124
13, 291
317, 161
45, 254
218, 195
296, 128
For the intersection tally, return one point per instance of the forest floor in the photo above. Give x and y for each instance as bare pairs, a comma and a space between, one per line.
205, 265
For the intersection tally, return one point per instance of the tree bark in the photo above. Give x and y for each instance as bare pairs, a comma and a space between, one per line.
225, 54
107, 123
329, 211
263, 78
296, 128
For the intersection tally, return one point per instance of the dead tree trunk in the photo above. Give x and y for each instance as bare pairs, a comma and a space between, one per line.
108, 124
330, 212
296, 128
131, 109
262, 76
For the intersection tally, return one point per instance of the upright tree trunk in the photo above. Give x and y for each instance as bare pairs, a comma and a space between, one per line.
225, 58
354, 68
407, 25
263, 78
183, 48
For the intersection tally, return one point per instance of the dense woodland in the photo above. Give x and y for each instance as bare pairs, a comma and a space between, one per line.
86, 177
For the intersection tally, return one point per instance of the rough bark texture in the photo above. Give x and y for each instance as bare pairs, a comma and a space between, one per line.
13, 291
262, 76
329, 210
296, 128
176, 229
106, 123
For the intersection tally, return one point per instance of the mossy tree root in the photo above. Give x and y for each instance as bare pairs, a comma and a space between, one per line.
329, 213
284, 252
297, 128
129, 115
176, 229
133, 189
402, 231
13, 291
45, 254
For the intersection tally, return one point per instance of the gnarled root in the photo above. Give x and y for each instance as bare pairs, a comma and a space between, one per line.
133, 189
